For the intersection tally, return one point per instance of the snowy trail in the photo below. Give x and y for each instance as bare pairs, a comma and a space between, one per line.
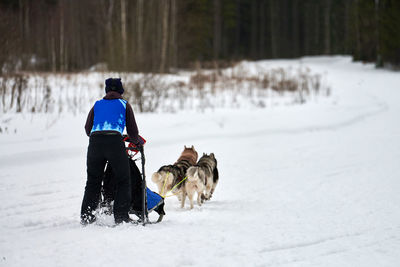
310, 185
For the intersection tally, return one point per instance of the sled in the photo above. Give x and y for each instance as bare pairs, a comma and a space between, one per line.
144, 200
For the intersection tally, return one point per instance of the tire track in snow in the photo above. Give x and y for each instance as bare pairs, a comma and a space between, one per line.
307, 244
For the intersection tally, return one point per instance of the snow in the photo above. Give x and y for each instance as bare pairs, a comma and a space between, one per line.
301, 185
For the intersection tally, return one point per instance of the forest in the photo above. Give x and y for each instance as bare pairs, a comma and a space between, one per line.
163, 36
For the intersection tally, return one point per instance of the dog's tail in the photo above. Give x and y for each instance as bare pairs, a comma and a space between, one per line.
156, 177
192, 174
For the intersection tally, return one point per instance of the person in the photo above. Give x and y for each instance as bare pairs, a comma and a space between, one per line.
105, 124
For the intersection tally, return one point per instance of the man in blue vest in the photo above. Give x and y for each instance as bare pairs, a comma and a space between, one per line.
104, 126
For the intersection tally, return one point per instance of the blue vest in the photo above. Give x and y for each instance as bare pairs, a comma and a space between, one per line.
109, 115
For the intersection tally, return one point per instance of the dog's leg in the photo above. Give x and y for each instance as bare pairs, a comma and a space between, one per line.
183, 202
208, 190
190, 195
160, 187
183, 197
199, 198
213, 188
203, 197
214, 181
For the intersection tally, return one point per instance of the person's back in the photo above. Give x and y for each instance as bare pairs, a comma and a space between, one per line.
104, 126
110, 115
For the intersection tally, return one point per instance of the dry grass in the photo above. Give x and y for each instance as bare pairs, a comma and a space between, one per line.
202, 89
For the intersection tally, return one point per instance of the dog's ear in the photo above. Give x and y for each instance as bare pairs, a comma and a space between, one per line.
193, 147
204, 154
185, 147
212, 155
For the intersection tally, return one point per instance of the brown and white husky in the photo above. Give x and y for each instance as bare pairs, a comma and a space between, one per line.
170, 175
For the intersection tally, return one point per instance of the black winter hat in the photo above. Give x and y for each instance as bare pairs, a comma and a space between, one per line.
114, 84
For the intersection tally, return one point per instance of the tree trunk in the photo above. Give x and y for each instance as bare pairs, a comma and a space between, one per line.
164, 39
261, 53
217, 29
295, 29
109, 34
346, 27
27, 23
173, 40
237, 30
327, 26
254, 29
124, 35
273, 32
316, 47
22, 41
379, 62
62, 44
53, 53
357, 54
139, 31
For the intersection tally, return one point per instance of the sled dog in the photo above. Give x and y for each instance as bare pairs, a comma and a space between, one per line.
170, 175
201, 178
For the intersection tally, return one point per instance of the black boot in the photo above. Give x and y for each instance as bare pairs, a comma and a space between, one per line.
87, 219
107, 207
137, 213
124, 219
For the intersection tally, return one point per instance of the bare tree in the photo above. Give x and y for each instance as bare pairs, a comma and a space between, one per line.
174, 40
254, 29
295, 28
124, 34
273, 31
164, 39
327, 26
109, 32
377, 35
217, 29
237, 30
357, 29
316, 37
262, 30
62, 39
139, 31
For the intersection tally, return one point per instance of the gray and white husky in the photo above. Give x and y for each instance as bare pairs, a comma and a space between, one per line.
169, 176
201, 178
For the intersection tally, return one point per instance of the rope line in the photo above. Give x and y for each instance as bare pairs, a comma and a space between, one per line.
165, 182
173, 194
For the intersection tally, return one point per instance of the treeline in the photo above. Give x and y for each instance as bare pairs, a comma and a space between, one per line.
163, 35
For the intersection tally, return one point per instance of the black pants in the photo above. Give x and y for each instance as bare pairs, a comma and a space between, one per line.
103, 148
109, 186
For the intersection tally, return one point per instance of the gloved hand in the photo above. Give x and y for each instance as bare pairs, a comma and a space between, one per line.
142, 141
139, 147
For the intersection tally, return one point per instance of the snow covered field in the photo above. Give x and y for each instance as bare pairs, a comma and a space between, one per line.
302, 185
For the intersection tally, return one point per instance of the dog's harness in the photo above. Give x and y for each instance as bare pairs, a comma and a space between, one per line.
172, 189
180, 168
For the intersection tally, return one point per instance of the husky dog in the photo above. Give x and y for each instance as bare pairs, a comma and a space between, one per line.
201, 178
170, 175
